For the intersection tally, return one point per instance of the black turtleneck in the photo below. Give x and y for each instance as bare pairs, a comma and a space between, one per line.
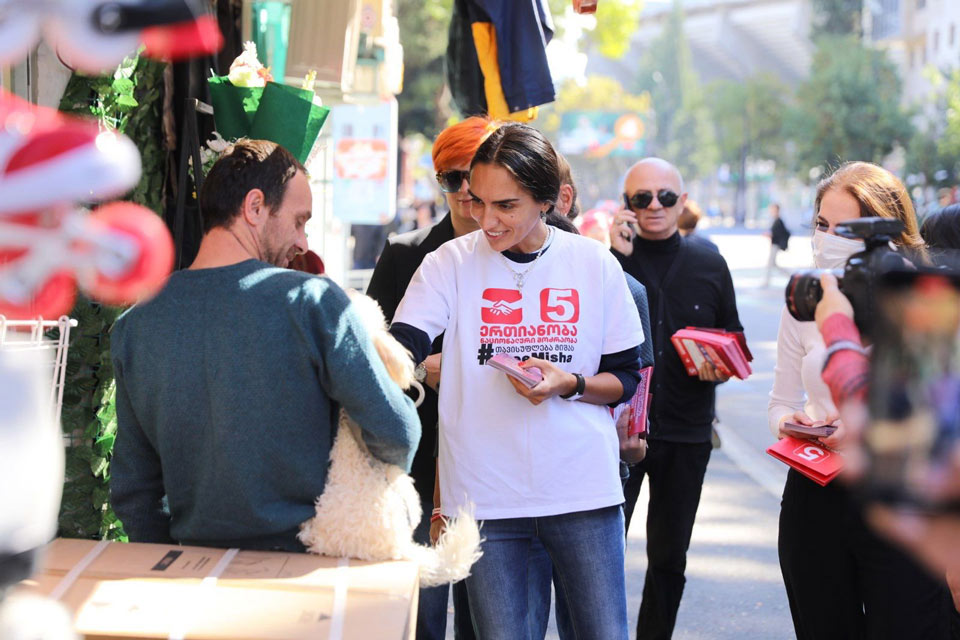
687, 285
659, 253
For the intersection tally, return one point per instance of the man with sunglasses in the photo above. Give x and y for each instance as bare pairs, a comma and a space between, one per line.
687, 285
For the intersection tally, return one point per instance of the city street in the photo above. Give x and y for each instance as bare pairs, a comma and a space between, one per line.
734, 589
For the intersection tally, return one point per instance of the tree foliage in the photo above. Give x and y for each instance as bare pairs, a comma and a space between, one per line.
616, 22
128, 100
423, 105
839, 17
849, 108
599, 93
933, 153
950, 143
749, 117
684, 130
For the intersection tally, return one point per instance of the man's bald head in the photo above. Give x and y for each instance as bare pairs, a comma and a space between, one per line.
657, 178
657, 166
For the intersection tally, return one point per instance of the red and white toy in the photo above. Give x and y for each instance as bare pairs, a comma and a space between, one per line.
94, 35
119, 253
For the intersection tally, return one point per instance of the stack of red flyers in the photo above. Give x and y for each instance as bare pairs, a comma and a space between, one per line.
813, 460
639, 405
726, 350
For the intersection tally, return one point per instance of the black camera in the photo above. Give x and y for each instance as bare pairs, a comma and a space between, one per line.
858, 278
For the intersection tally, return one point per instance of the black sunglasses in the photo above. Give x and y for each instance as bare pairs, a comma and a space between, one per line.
642, 199
451, 181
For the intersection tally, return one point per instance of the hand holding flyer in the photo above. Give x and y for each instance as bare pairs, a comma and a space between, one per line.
511, 366
639, 405
808, 432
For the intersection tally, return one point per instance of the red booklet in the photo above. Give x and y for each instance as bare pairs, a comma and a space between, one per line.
639, 405
726, 350
815, 461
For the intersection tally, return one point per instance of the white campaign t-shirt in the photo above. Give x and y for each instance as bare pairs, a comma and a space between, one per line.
797, 380
497, 450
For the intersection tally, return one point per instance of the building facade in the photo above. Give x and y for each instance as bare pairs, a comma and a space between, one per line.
922, 37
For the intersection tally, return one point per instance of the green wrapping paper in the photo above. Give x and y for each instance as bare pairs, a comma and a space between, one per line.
288, 116
234, 108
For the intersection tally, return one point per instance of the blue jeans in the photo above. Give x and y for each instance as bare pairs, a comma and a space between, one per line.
586, 550
541, 574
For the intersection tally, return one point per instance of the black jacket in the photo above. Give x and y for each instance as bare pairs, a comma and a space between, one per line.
400, 259
639, 293
779, 234
696, 289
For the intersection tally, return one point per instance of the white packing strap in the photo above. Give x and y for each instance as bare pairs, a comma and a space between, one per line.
64, 585
179, 632
219, 568
340, 584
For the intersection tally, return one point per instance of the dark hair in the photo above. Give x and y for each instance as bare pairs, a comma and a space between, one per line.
941, 231
690, 216
528, 156
554, 219
246, 165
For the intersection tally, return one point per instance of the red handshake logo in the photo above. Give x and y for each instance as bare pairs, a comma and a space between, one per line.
501, 306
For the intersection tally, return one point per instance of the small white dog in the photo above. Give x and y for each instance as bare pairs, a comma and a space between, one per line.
369, 508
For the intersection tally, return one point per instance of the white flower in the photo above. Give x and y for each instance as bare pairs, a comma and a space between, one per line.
246, 68
217, 143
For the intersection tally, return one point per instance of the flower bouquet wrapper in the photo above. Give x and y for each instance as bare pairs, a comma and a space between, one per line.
290, 117
234, 108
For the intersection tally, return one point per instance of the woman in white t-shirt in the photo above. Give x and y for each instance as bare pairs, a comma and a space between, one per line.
842, 580
536, 463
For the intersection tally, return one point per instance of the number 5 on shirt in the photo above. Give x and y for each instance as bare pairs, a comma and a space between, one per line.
559, 305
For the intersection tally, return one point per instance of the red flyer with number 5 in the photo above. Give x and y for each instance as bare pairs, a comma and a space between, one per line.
813, 460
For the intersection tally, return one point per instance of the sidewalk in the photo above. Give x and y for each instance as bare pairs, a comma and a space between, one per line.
734, 589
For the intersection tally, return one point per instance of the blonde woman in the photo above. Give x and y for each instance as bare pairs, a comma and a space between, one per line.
842, 580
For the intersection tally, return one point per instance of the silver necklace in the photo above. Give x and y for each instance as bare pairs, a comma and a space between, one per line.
520, 276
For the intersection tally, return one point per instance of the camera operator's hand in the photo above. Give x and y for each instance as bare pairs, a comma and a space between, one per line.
930, 537
633, 448
953, 582
833, 301
622, 231
709, 373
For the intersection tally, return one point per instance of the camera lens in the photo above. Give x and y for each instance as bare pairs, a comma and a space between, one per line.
804, 292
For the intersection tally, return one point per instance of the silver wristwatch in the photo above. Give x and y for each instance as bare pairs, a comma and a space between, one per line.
420, 373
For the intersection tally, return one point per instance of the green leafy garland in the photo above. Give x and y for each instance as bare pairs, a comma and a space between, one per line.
130, 101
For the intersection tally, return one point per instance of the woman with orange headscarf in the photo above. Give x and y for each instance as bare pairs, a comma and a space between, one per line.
452, 152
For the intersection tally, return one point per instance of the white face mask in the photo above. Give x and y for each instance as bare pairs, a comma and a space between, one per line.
831, 251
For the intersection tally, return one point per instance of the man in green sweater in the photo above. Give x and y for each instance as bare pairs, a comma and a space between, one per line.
229, 380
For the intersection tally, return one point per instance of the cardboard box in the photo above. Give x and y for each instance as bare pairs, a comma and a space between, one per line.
165, 591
